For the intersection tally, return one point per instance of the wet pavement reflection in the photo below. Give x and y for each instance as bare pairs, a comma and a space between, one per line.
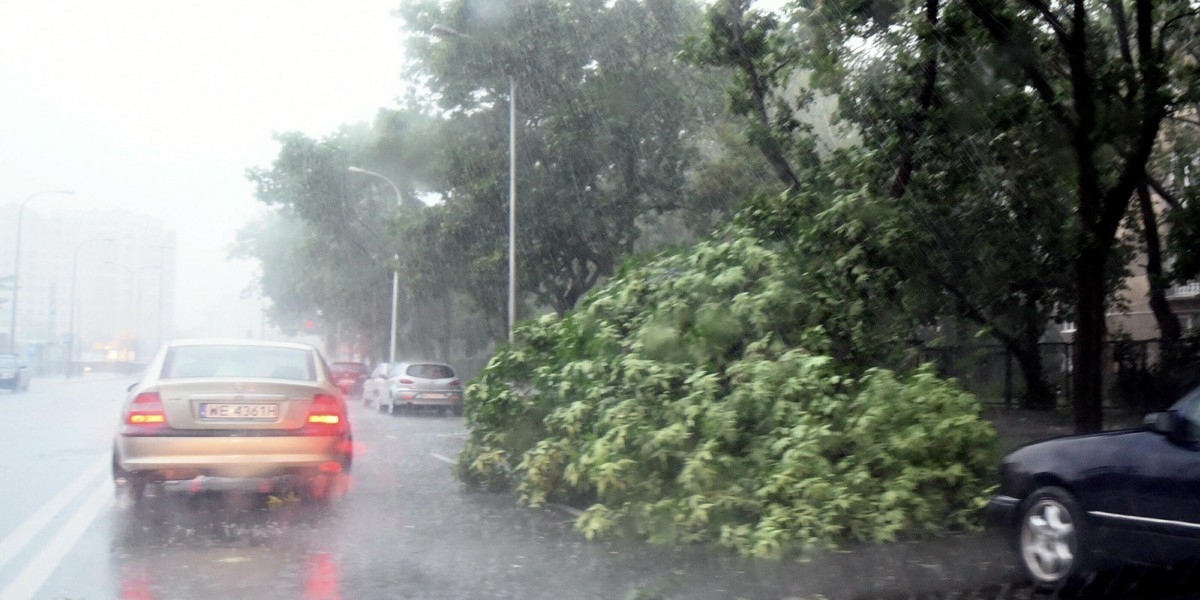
403, 527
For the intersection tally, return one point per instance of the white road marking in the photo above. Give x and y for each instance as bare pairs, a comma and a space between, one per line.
444, 458
460, 434
15, 541
30, 580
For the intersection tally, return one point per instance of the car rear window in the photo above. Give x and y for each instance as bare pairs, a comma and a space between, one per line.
239, 361
430, 371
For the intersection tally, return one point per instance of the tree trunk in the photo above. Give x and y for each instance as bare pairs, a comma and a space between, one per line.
1028, 352
1168, 324
1038, 395
1088, 376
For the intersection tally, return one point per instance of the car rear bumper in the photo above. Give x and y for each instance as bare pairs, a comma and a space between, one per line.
176, 457
419, 399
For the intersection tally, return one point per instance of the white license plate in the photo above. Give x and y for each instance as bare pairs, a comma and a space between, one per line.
433, 396
212, 410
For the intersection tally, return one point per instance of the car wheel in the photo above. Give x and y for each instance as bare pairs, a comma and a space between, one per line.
457, 410
1049, 540
128, 485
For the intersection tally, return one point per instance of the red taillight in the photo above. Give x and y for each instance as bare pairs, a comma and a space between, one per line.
456, 383
325, 415
146, 411
406, 381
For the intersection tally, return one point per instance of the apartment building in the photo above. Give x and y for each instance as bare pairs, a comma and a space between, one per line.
98, 284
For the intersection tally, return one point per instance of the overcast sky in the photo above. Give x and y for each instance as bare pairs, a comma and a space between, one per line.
160, 107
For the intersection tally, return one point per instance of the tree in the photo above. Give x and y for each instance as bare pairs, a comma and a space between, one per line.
605, 120
327, 251
1085, 85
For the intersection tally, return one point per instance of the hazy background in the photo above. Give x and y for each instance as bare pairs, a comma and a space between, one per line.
159, 107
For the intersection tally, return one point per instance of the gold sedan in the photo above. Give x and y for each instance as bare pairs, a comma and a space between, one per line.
232, 414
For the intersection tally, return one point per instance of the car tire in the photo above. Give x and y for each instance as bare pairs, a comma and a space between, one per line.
1050, 538
457, 410
127, 485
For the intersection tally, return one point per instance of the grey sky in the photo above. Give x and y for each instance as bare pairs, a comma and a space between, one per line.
159, 107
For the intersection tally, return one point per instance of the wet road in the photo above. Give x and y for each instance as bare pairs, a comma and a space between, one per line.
404, 529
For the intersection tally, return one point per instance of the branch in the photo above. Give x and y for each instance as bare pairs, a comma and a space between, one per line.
913, 131
1162, 31
1060, 31
1118, 10
1001, 29
1162, 192
768, 145
972, 312
1153, 111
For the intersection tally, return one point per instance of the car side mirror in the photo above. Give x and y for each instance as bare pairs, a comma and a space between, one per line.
1169, 423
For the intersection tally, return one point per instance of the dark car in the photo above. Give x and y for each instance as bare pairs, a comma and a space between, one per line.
349, 376
14, 375
1082, 504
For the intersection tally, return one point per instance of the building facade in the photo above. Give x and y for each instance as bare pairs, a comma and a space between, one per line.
96, 286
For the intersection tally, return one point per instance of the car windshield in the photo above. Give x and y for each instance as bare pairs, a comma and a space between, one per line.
640, 299
235, 361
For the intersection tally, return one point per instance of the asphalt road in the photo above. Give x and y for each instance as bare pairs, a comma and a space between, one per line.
405, 528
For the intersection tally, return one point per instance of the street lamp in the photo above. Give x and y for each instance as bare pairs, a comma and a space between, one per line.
445, 31
71, 317
12, 324
395, 274
162, 293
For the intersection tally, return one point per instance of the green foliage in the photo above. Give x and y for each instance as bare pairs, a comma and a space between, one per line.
606, 134
694, 399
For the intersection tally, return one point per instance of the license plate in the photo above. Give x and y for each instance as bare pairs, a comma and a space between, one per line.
210, 410
433, 396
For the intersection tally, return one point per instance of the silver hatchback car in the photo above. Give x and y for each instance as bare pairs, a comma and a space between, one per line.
232, 414
422, 385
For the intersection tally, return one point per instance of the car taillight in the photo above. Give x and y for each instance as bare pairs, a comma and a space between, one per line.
405, 381
146, 411
456, 383
325, 415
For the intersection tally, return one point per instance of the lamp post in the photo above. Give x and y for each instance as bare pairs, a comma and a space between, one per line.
395, 274
12, 324
445, 31
71, 316
162, 292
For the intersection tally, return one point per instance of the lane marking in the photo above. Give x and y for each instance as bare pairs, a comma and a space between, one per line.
444, 459
460, 434
30, 580
15, 541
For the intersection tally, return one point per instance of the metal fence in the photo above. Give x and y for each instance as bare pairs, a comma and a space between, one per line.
1130, 371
